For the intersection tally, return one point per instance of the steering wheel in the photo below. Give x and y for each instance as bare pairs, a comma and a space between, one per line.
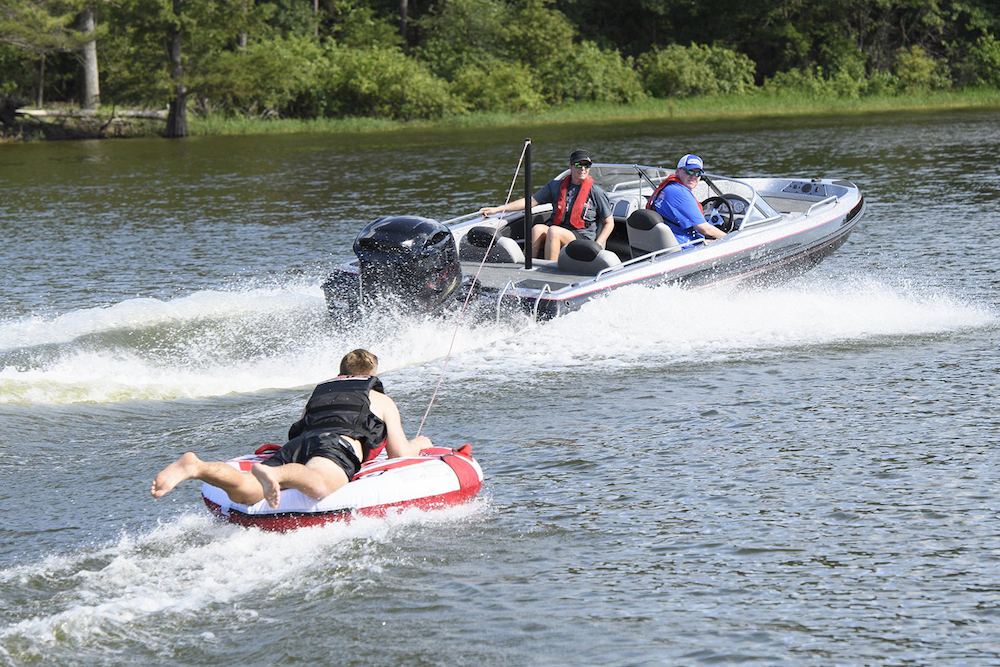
713, 206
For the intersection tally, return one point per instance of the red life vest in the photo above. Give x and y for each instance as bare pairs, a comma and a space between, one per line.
672, 178
576, 214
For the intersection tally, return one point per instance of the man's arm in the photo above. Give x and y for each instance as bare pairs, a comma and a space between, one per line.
710, 230
546, 195
609, 226
604, 214
397, 444
516, 205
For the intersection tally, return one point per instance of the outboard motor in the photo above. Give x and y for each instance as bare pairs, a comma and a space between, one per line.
409, 259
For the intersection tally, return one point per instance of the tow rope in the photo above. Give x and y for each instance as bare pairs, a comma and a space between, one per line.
465, 304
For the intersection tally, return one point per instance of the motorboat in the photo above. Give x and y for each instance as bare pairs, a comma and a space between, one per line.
777, 228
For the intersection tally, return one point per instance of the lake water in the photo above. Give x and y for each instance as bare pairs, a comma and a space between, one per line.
803, 475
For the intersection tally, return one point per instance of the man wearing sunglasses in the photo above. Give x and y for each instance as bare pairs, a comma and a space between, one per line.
674, 200
578, 204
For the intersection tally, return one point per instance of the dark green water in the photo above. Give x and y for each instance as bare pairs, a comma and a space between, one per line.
803, 475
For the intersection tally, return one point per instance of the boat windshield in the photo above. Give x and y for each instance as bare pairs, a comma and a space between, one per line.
626, 180
741, 195
618, 177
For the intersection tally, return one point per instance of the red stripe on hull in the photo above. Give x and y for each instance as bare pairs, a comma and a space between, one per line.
293, 520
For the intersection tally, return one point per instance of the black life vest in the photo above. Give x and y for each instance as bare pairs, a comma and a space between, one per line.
343, 406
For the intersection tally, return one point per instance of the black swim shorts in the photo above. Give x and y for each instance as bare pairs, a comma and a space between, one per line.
588, 233
309, 445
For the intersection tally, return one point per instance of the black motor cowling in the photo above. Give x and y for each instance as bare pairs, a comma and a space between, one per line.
407, 259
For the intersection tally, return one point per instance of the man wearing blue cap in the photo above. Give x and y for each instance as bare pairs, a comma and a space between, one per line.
674, 200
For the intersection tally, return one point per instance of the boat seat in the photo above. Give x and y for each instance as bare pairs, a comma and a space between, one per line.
473, 247
586, 258
648, 233
618, 241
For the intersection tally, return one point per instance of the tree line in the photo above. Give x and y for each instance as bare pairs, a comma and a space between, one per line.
405, 59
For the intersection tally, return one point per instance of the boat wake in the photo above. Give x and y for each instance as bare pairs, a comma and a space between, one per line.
644, 328
214, 343
677, 325
170, 575
207, 344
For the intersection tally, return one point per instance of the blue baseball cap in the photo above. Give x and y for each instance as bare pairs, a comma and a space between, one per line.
691, 161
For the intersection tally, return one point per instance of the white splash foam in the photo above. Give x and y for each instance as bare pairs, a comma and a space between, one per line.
141, 313
195, 563
277, 339
637, 327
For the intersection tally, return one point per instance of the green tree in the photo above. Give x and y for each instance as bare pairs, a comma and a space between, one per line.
498, 85
695, 70
90, 81
269, 78
43, 26
918, 71
980, 65
586, 72
54, 26
462, 34
512, 56
635, 27
355, 25
165, 50
539, 35
382, 82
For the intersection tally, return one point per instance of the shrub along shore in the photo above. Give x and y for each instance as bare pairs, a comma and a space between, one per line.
681, 109
106, 123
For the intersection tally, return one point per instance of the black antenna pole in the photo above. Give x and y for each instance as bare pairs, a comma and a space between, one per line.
529, 219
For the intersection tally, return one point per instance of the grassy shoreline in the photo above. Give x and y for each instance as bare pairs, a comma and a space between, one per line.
685, 109
701, 109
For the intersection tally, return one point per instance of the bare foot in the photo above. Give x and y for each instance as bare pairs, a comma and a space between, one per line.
269, 482
183, 468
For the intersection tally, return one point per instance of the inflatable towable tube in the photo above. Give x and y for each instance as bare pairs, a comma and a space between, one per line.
439, 477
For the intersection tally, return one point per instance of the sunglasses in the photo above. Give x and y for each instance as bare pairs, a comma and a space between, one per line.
697, 173
582, 165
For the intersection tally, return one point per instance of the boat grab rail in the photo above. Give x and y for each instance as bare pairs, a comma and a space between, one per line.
502, 217
627, 185
509, 285
534, 311
469, 216
744, 223
832, 199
